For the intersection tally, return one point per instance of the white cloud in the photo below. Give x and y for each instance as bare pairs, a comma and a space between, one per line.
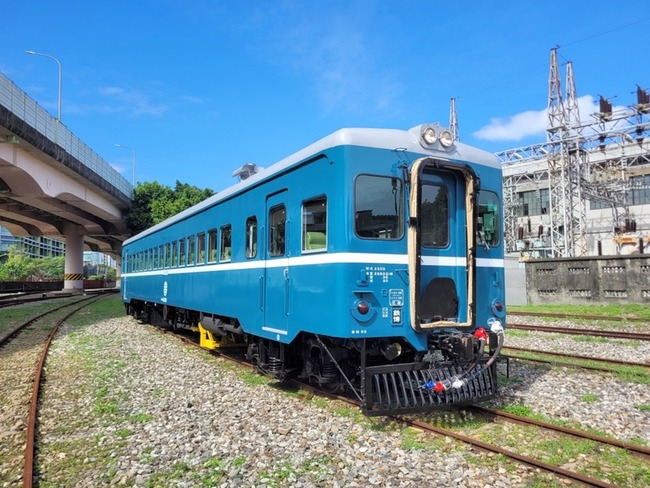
531, 123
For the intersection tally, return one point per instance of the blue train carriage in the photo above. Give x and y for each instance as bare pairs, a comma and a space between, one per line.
370, 262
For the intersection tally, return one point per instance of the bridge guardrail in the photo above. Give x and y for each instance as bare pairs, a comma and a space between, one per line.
21, 105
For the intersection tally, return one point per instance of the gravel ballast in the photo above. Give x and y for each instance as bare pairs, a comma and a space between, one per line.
125, 405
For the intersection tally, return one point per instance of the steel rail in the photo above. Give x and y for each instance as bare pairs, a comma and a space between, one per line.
565, 473
644, 451
593, 332
577, 356
577, 316
28, 469
13, 333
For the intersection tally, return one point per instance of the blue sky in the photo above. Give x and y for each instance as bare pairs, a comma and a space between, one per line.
200, 88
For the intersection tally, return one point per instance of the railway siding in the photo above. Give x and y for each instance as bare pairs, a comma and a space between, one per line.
125, 405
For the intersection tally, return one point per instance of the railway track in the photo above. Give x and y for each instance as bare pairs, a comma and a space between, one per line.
612, 334
566, 474
575, 357
577, 316
23, 351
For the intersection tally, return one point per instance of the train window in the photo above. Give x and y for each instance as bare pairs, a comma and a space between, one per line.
161, 257
200, 248
251, 237
487, 222
314, 225
212, 246
378, 207
150, 259
154, 262
181, 252
190, 251
277, 223
174, 254
434, 216
226, 244
168, 255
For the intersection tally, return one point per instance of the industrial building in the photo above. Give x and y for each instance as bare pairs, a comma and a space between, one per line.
585, 191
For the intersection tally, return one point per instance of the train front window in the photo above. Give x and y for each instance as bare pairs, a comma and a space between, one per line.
277, 221
434, 215
314, 225
487, 223
378, 207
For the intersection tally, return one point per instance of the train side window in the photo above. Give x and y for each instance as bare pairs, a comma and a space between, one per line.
154, 253
212, 246
168, 255
434, 216
226, 244
251, 237
314, 225
487, 222
150, 259
174, 254
200, 248
190, 251
277, 228
181, 252
378, 207
161, 257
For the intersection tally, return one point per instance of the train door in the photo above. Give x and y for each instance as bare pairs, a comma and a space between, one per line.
441, 264
277, 280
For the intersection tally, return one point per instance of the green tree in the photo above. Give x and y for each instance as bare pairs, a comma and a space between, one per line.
16, 267
153, 203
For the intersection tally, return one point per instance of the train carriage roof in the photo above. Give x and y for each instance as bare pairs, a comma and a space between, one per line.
391, 139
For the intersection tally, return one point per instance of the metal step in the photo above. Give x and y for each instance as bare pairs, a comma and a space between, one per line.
399, 388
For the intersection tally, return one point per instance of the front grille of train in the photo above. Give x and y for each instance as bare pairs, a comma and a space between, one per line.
399, 388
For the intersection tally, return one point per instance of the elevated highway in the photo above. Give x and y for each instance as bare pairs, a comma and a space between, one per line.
52, 184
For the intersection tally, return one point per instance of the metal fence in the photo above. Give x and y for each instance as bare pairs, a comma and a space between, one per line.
21, 105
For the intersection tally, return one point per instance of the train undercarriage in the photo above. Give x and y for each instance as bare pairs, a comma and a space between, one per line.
385, 375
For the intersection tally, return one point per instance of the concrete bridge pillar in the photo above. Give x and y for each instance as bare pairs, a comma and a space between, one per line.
74, 258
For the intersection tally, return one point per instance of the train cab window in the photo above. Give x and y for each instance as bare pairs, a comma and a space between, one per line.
434, 216
174, 254
251, 237
226, 244
487, 222
190, 251
277, 229
212, 246
200, 248
314, 225
378, 207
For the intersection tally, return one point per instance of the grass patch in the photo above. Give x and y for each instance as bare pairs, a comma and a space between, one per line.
644, 408
631, 310
589, 398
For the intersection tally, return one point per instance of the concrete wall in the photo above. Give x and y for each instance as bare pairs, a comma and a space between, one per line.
589, 280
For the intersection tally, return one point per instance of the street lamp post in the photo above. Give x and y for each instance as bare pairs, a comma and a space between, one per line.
133, 156
34, 53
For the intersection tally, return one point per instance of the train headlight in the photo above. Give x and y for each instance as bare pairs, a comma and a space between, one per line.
446, 139
429, 135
